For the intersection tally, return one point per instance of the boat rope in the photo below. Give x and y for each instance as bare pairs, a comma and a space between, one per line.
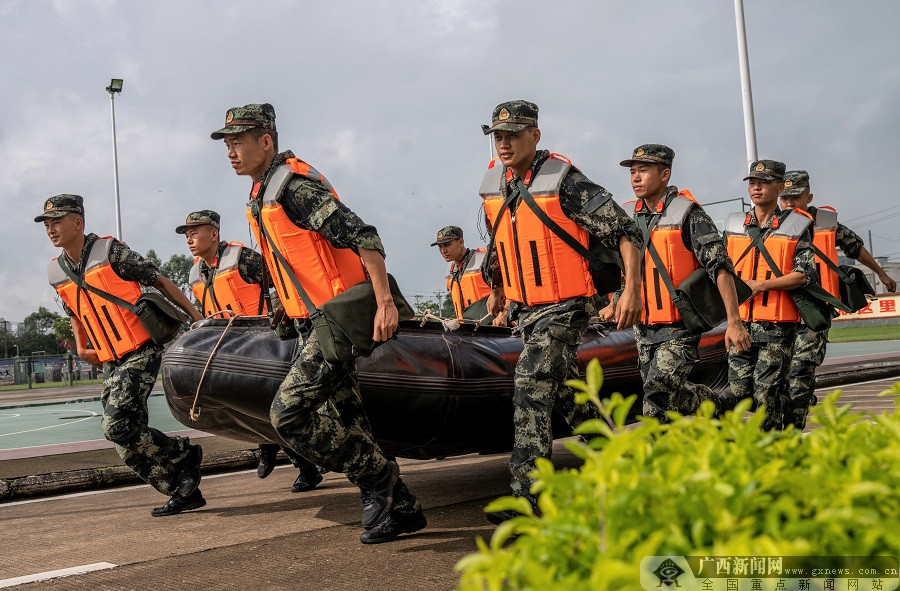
196, 407
449, 324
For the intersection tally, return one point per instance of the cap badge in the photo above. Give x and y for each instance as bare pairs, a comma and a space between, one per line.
504, 114
49, 205
639, 152
229, 117
760, 167
788, 184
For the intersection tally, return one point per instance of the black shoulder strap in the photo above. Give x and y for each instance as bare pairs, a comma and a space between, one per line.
310, 307
82, 284
840, 272
486, 264
646, 229
593, 260
757, 238
813, 289
265, 300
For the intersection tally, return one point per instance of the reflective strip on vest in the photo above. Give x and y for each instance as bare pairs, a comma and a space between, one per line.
679, 262
323, 270
229, 290
113, 331
536, 265
825, 239
470, 286
775, 305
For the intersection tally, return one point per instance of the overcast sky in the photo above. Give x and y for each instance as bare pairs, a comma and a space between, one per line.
386, 99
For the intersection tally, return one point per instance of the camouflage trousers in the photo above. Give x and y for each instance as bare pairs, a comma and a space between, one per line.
808, 354
664, 368
150, 453
760, 373
551, 334
319, 414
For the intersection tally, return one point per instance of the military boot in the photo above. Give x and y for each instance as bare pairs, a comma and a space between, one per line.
268, 453
377, 494
187, 479
306, 480
394, 524
178, 504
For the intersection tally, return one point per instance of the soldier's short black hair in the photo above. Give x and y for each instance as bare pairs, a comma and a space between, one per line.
258, 132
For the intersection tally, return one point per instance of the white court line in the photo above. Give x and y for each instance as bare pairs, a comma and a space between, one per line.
893, 379
55, 574
90, 415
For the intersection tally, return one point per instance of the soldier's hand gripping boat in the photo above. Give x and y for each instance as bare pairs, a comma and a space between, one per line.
428, 392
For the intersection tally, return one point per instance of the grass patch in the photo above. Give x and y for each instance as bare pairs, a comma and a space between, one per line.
49, 385
864, 333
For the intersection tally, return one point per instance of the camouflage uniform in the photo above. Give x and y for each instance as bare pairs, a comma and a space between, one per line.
336, 436
551, 332
668, 352
250, 264
809, 346
127, 384
761, 371
478, 309
250, 268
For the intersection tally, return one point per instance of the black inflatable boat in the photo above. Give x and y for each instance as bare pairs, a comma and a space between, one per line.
428, 393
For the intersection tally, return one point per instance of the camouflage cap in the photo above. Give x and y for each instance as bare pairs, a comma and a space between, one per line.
61, 205
652, 153
204, 217
448, 234
795, 182
240, 119
767, 170
512, 116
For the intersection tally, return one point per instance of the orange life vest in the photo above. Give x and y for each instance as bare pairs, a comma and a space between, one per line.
466, 285
825, 239
323, 270
227, 290
781, 242
679, 261
536, 265
113, 331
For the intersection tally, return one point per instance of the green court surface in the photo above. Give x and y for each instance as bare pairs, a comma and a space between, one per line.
835, 350
73, 422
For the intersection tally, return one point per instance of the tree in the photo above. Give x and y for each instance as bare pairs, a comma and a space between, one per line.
153, 258
62, 328
37, 332
178, 269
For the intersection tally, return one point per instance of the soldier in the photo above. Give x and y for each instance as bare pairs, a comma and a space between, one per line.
468, 290
118, 341
228, 276
546, 279
684, 238
828, 236
295, 211
753, 239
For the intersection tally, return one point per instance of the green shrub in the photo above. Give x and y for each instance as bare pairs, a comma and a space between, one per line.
697, 486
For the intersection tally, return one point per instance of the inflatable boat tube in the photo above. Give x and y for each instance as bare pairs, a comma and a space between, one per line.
428, 393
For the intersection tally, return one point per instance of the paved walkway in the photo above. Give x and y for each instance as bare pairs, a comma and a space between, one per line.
254, 534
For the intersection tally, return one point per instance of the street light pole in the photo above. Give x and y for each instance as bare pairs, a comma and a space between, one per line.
115, 85
746, 92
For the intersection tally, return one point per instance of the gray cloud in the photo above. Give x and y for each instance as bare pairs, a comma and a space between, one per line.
386, 99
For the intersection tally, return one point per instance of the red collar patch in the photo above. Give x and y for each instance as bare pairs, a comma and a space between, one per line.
257, 187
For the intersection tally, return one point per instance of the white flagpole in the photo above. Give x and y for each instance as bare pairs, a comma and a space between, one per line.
746, 93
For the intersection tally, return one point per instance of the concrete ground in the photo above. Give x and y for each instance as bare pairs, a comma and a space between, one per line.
256, 534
